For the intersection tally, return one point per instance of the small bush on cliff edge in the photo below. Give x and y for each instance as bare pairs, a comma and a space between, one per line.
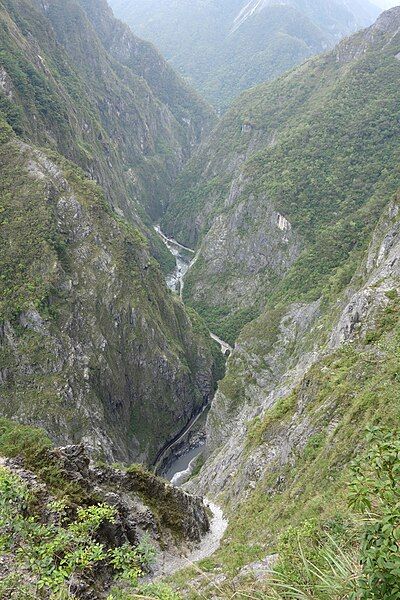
50, 550
375, 493
50, 543
50, 547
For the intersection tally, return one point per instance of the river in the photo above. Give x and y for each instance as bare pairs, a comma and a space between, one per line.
184, 257
182, 468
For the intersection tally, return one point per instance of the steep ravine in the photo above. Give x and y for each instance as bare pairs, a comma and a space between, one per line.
179, 466
185, 259
187, 445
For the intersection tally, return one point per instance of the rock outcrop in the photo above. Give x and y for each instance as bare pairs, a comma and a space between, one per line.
145, 507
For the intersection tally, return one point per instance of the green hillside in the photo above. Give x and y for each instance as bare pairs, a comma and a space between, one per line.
225, 47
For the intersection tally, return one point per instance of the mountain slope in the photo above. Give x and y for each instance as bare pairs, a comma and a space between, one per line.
319, 366
226, 47
302, 389
92, 343
85, 86
290, 184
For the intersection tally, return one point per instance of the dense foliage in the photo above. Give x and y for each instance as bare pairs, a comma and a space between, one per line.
318, 146
50, 530
126, 123
53, 549
358, 559
375, 493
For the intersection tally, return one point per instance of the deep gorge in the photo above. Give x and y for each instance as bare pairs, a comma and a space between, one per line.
194, 306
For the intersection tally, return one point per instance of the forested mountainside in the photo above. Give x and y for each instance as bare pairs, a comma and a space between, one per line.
312, 388
92, 343
93, 346
75, 79
282, 198
289, 212
226, 46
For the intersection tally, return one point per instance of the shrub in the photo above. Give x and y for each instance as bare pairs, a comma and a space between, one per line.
54, 551
375, 493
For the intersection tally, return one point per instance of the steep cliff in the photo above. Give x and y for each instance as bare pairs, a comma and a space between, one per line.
75, 528
302, 389
290, 184
227, 46
93, 345
314, 371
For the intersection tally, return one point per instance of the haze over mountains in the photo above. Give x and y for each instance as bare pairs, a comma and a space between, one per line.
385, 4
224, 47
285, 219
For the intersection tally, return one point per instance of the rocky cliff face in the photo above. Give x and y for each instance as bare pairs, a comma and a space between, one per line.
93, 345
227, 46
276, 199
314, 370
286, 357
302, 389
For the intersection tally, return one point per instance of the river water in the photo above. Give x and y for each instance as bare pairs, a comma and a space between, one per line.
181, 469
183, 258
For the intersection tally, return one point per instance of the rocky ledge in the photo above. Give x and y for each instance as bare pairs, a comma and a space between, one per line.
145, 506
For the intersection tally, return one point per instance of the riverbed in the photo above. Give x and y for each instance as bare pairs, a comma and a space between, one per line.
184, 257
183, 466
181, 469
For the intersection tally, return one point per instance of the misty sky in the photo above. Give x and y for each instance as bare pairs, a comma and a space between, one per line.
386, 3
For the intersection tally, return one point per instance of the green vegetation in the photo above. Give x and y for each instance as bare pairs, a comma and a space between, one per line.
358, 559
321, 147
25, 218
221, 320
53, 552
50, 265
33, 446
22, 440
145, 591
349, 552
280, 411
50, 527
230, 53
375, 493
65, 90
354, 388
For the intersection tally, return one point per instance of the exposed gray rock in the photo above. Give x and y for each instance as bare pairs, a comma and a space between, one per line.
272, 370
172, 520
259, 569
109, 349
6, 83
